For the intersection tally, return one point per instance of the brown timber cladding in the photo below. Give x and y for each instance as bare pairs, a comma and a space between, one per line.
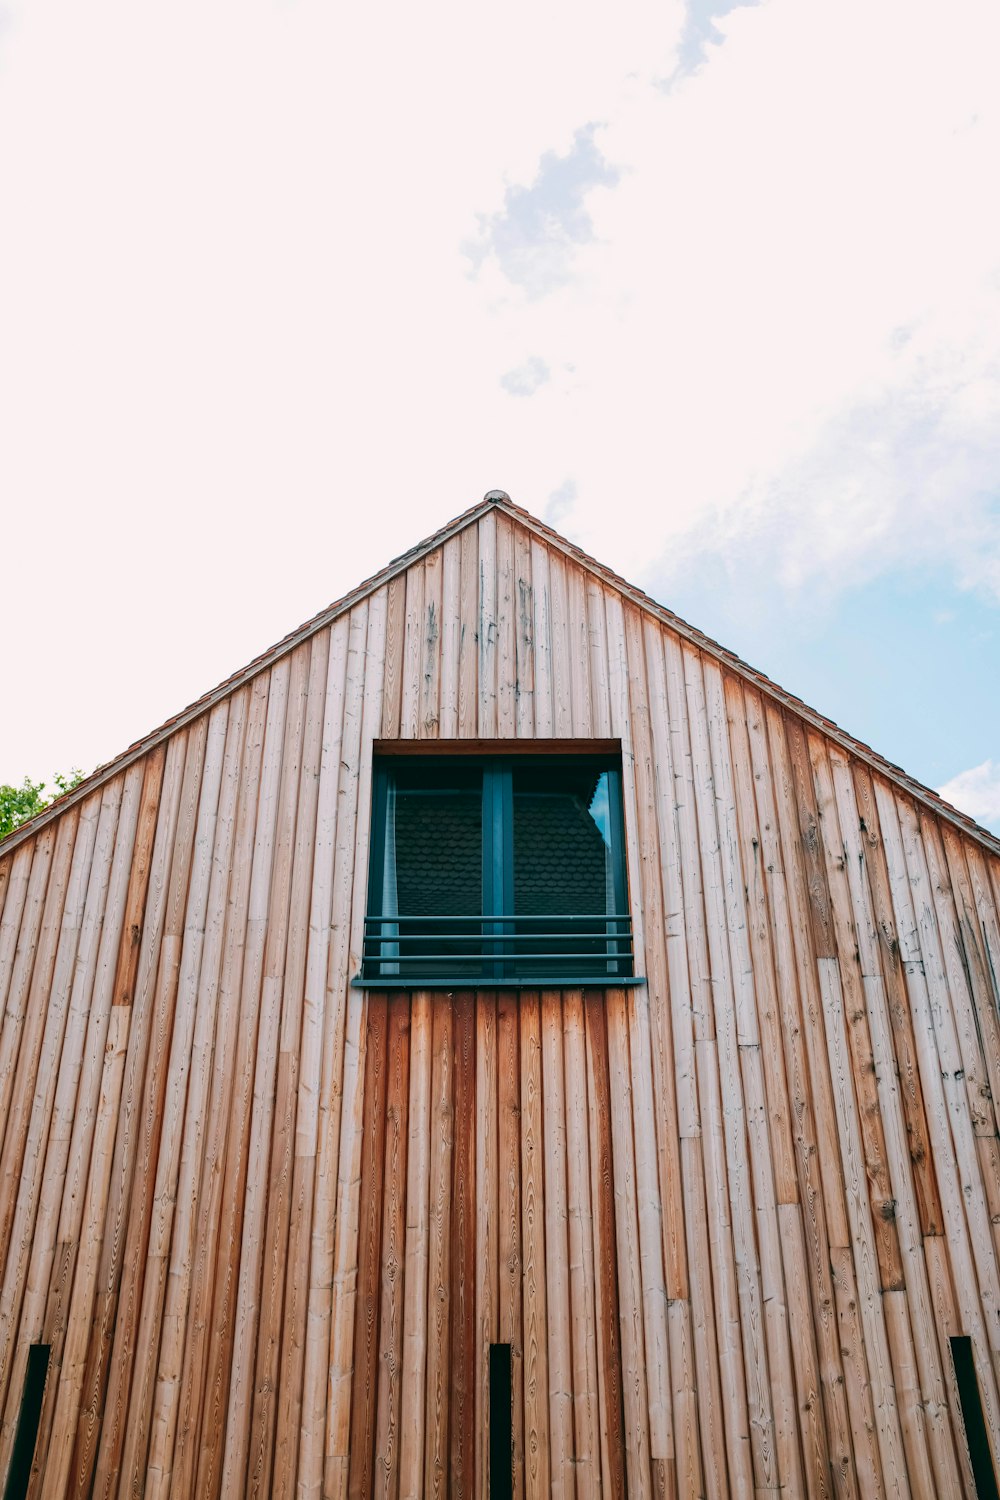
269, 1224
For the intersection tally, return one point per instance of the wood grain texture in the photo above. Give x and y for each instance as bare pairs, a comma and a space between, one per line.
535, 1375
416, 1251
436, 1450
464, 1361
609, 1367
385, 1477
510, 1327
269, 1223
487, 1196
370, 1222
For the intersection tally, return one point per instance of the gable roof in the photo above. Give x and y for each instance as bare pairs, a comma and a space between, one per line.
503, 502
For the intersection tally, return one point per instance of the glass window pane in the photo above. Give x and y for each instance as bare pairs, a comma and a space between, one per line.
563, 868
439, 841
562, 843
432, 870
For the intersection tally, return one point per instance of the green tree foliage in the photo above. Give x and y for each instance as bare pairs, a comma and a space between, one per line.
19, 803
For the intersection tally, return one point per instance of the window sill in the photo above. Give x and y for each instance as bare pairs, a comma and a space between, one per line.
484, 982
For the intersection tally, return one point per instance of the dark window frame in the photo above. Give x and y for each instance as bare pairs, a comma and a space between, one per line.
971, 1403
381, 970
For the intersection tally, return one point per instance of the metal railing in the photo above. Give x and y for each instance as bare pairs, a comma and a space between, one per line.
485, 948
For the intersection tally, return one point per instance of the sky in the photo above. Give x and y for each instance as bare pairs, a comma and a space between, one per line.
713, 288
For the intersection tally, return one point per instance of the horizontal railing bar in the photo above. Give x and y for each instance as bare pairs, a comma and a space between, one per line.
494, 937
536, 934
466, 958
486, 978
482, 963
555, 981
590, 916
494, 958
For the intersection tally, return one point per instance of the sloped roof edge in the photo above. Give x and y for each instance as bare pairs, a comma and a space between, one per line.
499, 500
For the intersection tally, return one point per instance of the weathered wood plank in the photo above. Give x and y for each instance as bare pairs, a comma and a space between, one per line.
72, 1284
667, 1129
18, 874
318, 1009
524, 637
393, 1180
824, 1214
633, 1351
468, 638
865, 1106
26, 949
487, 1199
281, 1171
256, 996
30, 1219
541, 641
486, 626
583, 1315
142, 1108
413, 655
439, 1279
749, 1379
506, 605
54, 1247
138, 1420
140, 1005
973, 1261
184, 1227
510, 1260
210, 1165
395, 645
562, 692
260, 1191
890, 1081
333, 1307
451, 627
30, 1029
361, 1474
417, 1250
557, 1281
578, 633
462, 1377
537, 1456
430, 646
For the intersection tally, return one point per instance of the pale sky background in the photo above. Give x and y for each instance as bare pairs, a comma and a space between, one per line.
715, 289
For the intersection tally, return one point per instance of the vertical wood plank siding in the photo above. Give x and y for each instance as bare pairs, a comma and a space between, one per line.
728, 1221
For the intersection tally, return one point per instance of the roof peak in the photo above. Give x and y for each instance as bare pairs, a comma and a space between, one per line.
545, 533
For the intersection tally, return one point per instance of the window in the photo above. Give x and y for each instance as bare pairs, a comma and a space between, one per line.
492, 869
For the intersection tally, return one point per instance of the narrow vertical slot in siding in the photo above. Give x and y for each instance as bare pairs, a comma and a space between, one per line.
27, 1422
501, 1432
972, 1415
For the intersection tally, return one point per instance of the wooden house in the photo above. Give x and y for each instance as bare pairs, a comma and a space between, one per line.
499, 1044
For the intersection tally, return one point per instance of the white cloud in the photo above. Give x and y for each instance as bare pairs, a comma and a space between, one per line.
702, 29
976, 792
560, 503
242, 360
535, 236
526, 379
